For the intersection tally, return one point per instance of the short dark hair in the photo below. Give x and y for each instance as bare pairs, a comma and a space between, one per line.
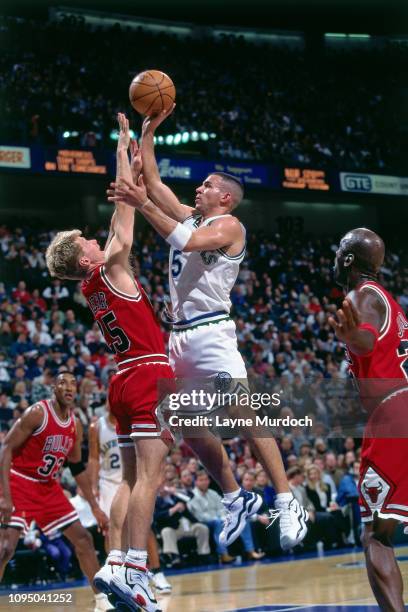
201, 473
294, 471
235, 181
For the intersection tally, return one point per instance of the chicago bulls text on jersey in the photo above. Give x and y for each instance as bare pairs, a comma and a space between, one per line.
383, 379
36, 465
131, 330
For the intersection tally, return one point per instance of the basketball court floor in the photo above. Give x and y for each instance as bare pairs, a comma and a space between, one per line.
329, 583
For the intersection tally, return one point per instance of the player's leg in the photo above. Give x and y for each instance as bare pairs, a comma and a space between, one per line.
150, 454
8, 541
84, 548
118, 526
292, 517
158, 578
213, 456
130, 583
118, 513
383, 572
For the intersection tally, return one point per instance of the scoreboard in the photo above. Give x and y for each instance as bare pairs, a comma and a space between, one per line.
70, 160
301, 178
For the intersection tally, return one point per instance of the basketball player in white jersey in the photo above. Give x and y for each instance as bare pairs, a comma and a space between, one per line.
207, 246
105, 468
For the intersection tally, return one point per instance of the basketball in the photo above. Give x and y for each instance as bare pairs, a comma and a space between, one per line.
151, 92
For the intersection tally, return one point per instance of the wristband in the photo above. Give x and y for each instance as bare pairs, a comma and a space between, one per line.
76, 468
370, 328
179, 237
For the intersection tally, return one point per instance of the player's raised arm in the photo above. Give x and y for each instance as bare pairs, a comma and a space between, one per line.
359, 321
158, 192
18, 434
222, 233
118, 250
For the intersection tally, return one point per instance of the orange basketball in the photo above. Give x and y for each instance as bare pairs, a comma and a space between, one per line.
151, 92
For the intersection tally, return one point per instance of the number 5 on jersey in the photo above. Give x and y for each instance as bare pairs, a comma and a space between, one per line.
120, 342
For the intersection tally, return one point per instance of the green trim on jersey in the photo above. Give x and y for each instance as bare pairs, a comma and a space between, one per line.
227, 318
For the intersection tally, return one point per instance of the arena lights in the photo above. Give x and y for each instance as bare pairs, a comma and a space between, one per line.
347, 36
170, 139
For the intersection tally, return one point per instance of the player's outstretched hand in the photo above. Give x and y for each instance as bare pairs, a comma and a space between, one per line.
151, 123
6, 509
135, 160
346, 325
102, 519
128, 193
124, 132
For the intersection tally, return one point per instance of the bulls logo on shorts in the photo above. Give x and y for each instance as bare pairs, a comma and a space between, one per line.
374, 489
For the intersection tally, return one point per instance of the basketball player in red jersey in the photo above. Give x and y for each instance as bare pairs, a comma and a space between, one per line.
375, 331
127, 320
31, 459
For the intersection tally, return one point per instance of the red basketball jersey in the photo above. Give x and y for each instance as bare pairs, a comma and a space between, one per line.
387, 365
128, 322
44, 453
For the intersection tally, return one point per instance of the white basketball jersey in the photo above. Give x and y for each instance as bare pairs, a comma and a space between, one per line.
109, 454
201, 282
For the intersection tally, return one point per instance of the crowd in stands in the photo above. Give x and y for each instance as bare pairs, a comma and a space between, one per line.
263, 102
281, 304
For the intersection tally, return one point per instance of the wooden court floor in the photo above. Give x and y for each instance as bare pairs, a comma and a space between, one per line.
339, 581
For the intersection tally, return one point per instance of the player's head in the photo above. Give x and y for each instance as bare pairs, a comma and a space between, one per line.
65, 389
219, 192
360, 253
70, 255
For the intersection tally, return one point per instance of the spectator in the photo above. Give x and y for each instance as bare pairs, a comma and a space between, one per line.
174, 521
329, 518
207, 508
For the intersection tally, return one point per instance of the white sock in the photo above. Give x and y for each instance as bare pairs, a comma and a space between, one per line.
116, 555
137, 557
99, 596
229, 497
284, 498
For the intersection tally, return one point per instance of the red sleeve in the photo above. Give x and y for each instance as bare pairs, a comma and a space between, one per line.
370, 328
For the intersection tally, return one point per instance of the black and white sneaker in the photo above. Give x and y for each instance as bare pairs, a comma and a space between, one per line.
103, 577
130, 584
245, 505
292, 522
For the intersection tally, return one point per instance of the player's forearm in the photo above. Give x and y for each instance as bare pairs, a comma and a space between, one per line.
93, 471
124, 218
84, 482
151, 172
163, 224
362, 342
5, 466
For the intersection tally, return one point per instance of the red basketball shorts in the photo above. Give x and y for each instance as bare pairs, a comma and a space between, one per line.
383, 482
134, 399
42, 502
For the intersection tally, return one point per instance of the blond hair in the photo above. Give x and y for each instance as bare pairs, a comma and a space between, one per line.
311, 484
63, 255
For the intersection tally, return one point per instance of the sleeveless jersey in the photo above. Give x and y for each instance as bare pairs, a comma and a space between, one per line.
127, 322
109, 455
386, 366
42, 456
201, 282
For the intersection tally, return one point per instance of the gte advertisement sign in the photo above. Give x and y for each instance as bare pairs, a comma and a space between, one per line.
373, 183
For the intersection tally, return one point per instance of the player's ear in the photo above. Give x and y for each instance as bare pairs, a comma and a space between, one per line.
84, 261
348, 260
